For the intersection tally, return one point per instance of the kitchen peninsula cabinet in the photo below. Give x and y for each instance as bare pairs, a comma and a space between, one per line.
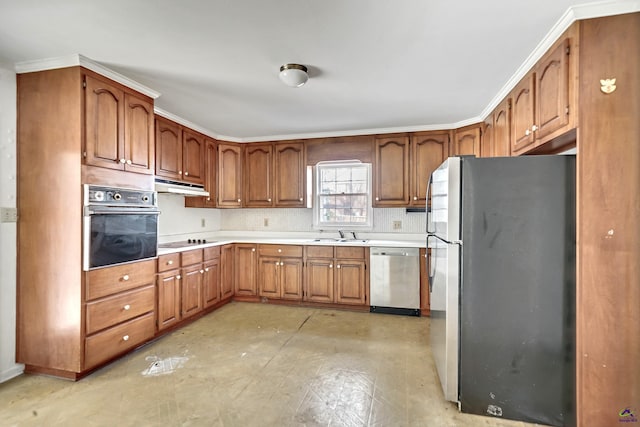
229, 175
336, 275
280, 272
179, 152
118, 126
245, 265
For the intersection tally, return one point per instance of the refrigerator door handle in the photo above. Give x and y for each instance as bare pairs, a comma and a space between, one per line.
427, 207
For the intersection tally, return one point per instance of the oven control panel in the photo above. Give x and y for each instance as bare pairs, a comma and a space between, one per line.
112, 196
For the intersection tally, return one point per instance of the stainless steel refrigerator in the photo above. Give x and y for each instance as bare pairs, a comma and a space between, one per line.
501, 232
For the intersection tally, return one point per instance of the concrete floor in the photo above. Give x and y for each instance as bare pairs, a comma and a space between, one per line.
256, 365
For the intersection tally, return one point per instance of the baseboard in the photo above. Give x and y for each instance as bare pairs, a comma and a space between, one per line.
12, 372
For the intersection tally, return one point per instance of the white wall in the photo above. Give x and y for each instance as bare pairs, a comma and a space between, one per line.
8, 367
175, 219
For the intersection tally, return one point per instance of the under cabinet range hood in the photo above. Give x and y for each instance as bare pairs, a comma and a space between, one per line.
180, 188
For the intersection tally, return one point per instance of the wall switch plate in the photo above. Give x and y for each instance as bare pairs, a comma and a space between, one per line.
397, 225
8, 215
266, 222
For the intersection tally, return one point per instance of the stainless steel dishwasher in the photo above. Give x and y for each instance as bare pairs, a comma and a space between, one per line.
395, 280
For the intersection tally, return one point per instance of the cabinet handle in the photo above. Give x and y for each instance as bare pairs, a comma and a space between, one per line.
125, 277
377, 199
126, 307
415, 197
178, 277
253, 249
269, 200
179, 172
281, 264
330, 265
125, 338
527, 132
534, 128
279, 250
338, 266
239, 200
170, 262
208, 199
123, 161
186, 174
206, 269
201, 271
301, 199
129, 162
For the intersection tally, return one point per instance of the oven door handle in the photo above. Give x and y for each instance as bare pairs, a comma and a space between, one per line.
88, 211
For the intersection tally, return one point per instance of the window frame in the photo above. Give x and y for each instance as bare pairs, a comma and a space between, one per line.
318, 224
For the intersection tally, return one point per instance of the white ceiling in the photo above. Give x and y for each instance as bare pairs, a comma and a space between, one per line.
374, 65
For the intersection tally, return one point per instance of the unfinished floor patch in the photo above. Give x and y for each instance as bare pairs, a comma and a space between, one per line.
163, 366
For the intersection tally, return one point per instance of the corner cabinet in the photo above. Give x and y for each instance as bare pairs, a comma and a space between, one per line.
118, 126
245, 265
467, 141
179, 152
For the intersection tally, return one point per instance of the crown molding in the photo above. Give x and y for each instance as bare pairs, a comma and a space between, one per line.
191, 125
573, 14
83, 61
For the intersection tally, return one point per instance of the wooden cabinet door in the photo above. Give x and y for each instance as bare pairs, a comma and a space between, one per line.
391, 172
192, 277
104, 124
229, 176
258, 163
245, 260
139, 143
269, 277
211, 164
428, 151
467, 141
552, 90
290, 175
350, 281
168, 299
318, 280
522, 114
168, 149
192, 157
486, 138
291, 278
502, 129
226, 272
211, 283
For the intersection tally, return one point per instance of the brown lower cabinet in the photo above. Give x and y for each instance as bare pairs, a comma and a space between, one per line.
280, 272
336, 275
227, 272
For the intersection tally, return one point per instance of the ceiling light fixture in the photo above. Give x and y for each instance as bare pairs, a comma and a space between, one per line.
293, 75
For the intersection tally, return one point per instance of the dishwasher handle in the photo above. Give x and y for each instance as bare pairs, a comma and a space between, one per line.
395, 252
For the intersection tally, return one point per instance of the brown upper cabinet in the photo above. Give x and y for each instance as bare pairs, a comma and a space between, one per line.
274, 175
428, 151
487, 137
210, 178
179, 152
502, 129
467, 141
229, 175
541, 102
118, 126
391, 171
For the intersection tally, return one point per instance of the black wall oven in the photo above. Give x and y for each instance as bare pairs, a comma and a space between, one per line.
120, 225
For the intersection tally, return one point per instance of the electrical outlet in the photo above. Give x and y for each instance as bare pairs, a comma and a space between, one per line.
203, 223
397, 225
9, 214
266, 222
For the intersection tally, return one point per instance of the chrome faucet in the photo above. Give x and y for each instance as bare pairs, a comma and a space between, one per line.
341, 233
353, 233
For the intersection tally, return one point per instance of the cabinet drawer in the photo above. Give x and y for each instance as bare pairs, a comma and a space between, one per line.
319, 251
191, 257
118, 308
350, 252
168, 262
211, 252
111, 280
280, 250
111, 342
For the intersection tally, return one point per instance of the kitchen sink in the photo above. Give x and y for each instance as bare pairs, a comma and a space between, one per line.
339, 240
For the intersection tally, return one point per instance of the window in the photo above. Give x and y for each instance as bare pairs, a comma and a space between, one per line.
342, 195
